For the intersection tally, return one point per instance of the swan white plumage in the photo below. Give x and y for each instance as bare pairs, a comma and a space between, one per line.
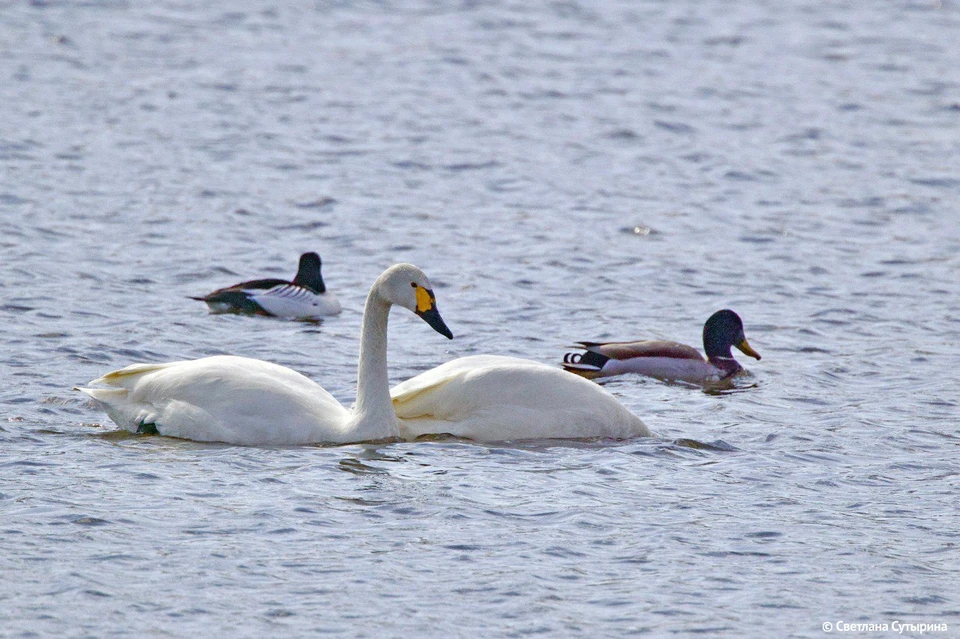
245, 401
494, 398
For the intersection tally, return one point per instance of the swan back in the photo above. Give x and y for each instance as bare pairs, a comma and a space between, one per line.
227, 399
494, 398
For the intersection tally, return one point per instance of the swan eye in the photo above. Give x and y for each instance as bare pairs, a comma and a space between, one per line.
413, 284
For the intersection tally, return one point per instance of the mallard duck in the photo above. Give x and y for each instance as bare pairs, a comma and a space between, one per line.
245, 401
668, 360
494, 398
306, 297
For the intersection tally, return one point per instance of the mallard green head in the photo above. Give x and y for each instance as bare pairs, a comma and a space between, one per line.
723, 330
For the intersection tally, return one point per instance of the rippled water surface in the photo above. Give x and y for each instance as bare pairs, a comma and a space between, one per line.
562, 171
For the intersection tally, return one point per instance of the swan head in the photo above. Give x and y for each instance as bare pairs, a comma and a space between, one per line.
406, 285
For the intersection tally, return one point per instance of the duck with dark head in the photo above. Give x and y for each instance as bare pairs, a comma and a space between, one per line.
668, 360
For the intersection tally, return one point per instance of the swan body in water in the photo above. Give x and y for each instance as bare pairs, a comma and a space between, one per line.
495, 398
238, 400
247, 401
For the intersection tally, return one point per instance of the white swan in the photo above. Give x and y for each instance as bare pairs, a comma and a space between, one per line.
245, 401
493, 398
306, 297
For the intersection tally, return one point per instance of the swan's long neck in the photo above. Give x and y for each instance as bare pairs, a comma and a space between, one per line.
373, 414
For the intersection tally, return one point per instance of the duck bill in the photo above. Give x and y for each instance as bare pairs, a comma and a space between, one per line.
746, 349
432, 317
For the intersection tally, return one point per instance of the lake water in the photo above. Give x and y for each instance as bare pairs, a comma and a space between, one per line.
562, 171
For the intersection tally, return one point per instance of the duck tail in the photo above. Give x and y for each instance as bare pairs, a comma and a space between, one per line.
588, 364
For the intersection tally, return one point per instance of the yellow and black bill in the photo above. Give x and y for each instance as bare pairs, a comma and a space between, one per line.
427, 310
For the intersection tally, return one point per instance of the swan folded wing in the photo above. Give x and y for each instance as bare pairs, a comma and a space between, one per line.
646, 348
493, 398
445, 401
228, 399
427, 388
420, 397
127, 377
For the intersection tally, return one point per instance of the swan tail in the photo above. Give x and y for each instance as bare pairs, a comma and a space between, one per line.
128, 415
123, 376
104, 395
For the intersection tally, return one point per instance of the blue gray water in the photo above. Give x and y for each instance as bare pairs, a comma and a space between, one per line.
562, 171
